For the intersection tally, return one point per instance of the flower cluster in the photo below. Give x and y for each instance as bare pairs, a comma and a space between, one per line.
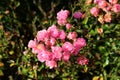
53, 45
106, 6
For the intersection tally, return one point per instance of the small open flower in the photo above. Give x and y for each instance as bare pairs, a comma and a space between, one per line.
41, 35
101, 19
94, 11
32, 44
108, 17
62, 17
100, 30
102, 4
116, 8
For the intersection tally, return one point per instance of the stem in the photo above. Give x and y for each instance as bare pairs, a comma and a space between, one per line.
104, 75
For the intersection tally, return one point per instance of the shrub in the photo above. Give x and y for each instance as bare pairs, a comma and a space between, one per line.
66, 40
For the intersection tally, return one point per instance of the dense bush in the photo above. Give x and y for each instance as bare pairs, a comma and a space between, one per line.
90, 36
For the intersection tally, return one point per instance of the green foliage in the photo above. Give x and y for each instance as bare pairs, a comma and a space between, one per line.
21, 19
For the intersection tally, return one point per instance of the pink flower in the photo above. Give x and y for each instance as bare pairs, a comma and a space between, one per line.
32, 44
25, 52
102, 4
72, 35
62, 17
116, 8
82, 60
80, 42
41, 35
66, 56
56, 52
38, 48
77, 15
68, 25
96, 1
94, 11
113, 1
53, 31
44, 55
67, 47
109, 6
63, 14
108, 17
51, 64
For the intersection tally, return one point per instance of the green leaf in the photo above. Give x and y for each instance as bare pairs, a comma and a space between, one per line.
102, 49
85, 20
92, 32
107, 31
1, 73
79, 31
24, 71
106, 62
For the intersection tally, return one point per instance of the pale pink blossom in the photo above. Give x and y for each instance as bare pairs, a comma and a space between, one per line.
41, 35
32, 44
51, 64
38, 48
82, 60
108, 17
35, 50
113, 1
62, 17
66, 56
72, 35
44, 55
68, 26
77, 15
25, 52
102, 4
67, 47
94, 11
53, 31
63, 14
116, 8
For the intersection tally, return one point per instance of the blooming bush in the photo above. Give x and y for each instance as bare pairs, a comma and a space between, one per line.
53, 45
59, 40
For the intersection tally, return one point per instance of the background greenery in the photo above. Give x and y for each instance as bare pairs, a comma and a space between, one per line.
21, 19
